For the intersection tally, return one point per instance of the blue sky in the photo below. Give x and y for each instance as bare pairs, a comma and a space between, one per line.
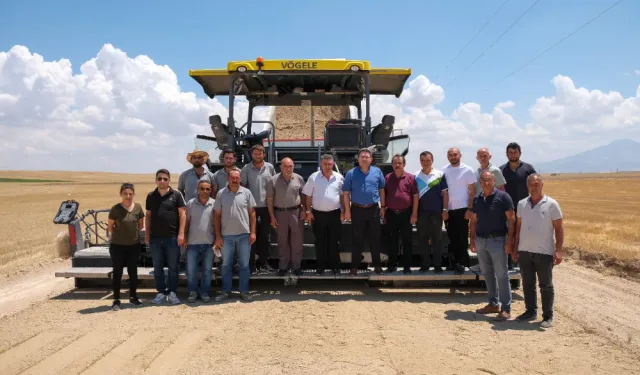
422, 35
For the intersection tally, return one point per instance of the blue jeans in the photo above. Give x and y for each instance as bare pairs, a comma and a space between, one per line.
229, 244
493, 264
193, 253
165, 249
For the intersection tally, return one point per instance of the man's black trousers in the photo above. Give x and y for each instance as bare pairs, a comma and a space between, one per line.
261, 246
540, 265
458, 233
365, 222
327, 229
399, 227
430, 228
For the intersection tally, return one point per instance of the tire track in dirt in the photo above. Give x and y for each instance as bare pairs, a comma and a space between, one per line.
174, 356
33, 350
123, 354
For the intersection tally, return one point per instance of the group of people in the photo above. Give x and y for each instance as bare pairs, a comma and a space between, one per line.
497, 212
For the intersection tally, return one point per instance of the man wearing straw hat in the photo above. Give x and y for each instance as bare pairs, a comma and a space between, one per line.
188, 180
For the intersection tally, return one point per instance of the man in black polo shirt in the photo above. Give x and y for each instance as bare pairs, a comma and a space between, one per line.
492, 209
165, 222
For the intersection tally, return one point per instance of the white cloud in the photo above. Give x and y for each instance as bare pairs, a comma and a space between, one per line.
129, 114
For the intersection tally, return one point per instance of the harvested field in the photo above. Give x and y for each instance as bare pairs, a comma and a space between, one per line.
294, 122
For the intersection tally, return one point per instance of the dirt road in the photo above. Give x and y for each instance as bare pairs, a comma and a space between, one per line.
311, 330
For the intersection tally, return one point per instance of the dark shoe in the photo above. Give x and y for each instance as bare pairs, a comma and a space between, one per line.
438, 270
378, 270
336, 271
391, 269
135, 301
424, 269
320, 272
459, 270
266, 268
297, 272
115, 306
354, 272
527, 316
407, 271
282, 272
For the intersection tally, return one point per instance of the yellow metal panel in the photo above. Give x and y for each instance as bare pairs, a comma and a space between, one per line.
304, 64
208, 72
393, 71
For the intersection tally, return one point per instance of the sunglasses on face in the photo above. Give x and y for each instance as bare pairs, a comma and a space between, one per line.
204, 189
162, 179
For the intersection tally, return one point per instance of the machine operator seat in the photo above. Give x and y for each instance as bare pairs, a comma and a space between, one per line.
257, 138
381, 133
220, 130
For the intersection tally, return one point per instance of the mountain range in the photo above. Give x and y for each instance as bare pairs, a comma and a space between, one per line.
622, 155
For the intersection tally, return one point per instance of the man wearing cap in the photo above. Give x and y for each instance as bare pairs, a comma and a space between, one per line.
188, 180
221, 177
364, 204
286, 211
492, 229
255, 177
235, 228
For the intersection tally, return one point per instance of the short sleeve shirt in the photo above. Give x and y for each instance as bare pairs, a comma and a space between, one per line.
126, 230
285, 193
188, 182
516, 180
325, 193
221, 178
399, 191
497, 174
364, 188
200, 219
458, 180
491, 213
536, 229
256, 181
234, 209
165, 218
430, 188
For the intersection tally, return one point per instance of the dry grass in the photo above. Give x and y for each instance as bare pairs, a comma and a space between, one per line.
294, 122
26, 228
602, 218
602, 214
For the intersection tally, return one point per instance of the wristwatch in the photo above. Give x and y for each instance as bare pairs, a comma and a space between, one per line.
308, 212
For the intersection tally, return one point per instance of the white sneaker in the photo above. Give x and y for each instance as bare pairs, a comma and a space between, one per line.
173, 298
160, 297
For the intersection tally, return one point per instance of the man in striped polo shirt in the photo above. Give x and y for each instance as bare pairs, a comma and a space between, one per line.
432, 210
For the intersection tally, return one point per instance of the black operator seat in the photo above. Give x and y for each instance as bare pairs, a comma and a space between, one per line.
257, 138
220, 130
381, 133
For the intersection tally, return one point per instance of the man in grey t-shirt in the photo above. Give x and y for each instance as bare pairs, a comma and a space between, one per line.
255, 176
538, 218
188, 180
235, 226
484, 158
200, 239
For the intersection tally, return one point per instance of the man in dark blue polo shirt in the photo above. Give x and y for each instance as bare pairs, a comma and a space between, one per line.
364, 203
515, 173
433, 201
492, 209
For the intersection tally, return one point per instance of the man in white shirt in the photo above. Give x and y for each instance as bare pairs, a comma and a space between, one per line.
539, 217
461, 181
323, 192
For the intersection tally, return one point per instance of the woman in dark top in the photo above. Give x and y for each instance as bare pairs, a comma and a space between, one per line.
125, 221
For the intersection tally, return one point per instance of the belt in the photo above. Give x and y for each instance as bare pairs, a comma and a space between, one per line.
496, 235
364, 206
398, 211
292, 208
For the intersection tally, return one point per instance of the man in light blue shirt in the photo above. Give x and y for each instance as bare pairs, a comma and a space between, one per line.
364, 204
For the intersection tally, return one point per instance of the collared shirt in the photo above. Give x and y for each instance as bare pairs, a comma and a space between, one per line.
188, 182
491, 213
497, 173
399, 191
325, 193
364, 188
516, 185
256, 180
200, 217
430, 188
285, 193
234, 208
458, 180
221, 177
536, 229
165, 219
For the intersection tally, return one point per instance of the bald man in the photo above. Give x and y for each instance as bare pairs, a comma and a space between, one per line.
284, 202
484, 158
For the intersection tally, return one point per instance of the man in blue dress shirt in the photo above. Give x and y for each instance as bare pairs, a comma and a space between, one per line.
364, 204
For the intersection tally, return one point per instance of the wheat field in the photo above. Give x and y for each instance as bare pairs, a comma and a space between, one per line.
602, 212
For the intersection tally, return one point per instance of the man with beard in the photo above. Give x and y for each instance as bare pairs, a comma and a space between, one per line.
255, 177
221, 176
188, 180
401, 193
461, 181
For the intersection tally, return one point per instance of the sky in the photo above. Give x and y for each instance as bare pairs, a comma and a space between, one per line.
104, 86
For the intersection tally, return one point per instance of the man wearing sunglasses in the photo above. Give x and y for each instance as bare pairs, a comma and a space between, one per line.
165, 225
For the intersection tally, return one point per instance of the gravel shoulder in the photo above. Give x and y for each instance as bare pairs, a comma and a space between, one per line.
330, 328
